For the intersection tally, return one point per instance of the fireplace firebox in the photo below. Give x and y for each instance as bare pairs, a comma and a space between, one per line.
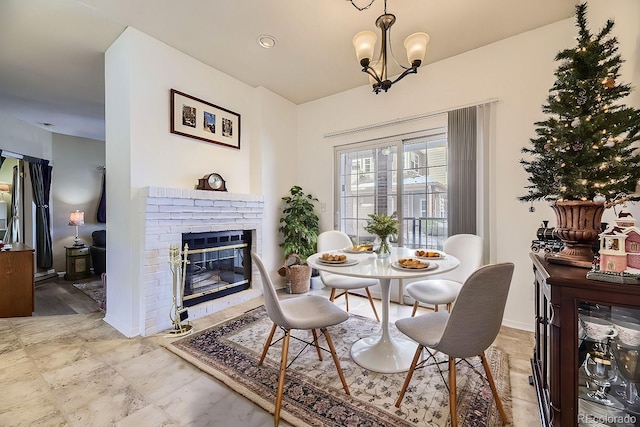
219, 264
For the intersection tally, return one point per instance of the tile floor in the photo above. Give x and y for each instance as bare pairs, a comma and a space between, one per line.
76, 370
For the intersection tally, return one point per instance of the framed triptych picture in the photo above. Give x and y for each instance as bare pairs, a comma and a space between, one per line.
203, 120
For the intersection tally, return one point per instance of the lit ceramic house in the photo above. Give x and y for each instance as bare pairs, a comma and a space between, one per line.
632, 246
613, 255
620, 246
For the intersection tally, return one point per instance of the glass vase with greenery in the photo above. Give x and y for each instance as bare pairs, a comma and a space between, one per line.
382, 226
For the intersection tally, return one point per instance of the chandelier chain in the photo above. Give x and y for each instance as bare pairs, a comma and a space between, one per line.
364, 7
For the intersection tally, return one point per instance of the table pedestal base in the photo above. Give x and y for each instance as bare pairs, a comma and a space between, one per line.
388, 355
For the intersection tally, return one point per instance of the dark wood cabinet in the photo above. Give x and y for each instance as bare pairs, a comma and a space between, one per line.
17, 281
561, 293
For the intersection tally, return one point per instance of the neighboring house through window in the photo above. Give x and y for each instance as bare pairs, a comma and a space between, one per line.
428, 179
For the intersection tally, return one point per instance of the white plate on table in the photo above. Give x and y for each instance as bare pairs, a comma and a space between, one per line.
397, 265
350, 250
344, 263
441, 254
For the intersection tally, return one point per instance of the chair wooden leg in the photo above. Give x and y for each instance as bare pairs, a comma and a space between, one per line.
267, 344
435, 308
333, 294
315, 342
449, 306
336, 360
283, 368
407, 380
373, 306
346, 299
494, 390
453, 410
415, 308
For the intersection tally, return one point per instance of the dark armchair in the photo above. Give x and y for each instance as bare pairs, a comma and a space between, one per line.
99, 251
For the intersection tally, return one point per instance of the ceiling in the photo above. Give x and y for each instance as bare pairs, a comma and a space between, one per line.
52, 51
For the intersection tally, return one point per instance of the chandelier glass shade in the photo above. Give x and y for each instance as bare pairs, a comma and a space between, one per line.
365, 42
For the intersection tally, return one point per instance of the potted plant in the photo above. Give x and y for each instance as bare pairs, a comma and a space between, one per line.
300, 228
383, 227
583, 156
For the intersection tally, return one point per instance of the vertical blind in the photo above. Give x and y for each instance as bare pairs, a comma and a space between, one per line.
462, 149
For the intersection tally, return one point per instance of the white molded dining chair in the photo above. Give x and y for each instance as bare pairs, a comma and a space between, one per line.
444, 289
308, 312
334, 240
467, 331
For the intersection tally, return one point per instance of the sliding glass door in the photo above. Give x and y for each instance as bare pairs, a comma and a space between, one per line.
406, 178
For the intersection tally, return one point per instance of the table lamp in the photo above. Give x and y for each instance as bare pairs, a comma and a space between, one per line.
4, 188
76, 219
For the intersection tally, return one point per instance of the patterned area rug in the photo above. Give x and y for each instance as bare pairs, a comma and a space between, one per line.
94, 290
313, 393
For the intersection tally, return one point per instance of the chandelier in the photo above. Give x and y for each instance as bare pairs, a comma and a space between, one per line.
365, 42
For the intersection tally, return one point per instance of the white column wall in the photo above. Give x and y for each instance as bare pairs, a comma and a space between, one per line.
141, 152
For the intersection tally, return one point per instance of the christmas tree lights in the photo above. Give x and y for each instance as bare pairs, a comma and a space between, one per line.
585, 149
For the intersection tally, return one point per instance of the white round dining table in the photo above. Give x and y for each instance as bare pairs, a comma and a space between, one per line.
383, 353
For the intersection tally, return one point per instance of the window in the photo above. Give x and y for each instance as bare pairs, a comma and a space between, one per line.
418, 199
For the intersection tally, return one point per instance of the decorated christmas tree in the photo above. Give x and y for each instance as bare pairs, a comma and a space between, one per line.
584, 149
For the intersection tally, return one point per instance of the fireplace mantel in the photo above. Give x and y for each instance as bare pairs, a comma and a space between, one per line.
170, 212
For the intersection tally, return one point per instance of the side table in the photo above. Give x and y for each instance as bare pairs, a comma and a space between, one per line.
78, 262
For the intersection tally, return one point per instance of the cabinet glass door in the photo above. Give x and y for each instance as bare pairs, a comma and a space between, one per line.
609, 365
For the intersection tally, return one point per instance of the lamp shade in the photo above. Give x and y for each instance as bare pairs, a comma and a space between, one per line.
365, 43
4, 187
416, 46
76, 218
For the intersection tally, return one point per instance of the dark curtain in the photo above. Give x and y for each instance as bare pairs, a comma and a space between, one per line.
462, 153
41, 185
13, 228
102, 206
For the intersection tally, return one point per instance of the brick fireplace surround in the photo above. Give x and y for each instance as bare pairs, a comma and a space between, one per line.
170, 212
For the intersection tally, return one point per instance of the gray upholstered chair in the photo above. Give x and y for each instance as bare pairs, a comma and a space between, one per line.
309, 312
467, 331
334, 240
443, 289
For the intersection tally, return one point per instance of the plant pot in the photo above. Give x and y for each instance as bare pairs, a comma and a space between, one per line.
299, 276
578, 226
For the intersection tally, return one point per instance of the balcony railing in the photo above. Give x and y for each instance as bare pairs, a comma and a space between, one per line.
425, 232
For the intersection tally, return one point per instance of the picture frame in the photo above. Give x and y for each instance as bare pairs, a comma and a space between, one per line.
203, 120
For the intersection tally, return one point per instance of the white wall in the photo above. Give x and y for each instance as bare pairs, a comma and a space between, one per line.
273, 168
518, 72
76, 183
140, 71
21, 138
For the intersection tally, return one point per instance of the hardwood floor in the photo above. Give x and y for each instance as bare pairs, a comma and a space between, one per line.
59, 297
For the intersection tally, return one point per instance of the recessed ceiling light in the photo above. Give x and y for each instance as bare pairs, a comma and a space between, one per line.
266, 41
